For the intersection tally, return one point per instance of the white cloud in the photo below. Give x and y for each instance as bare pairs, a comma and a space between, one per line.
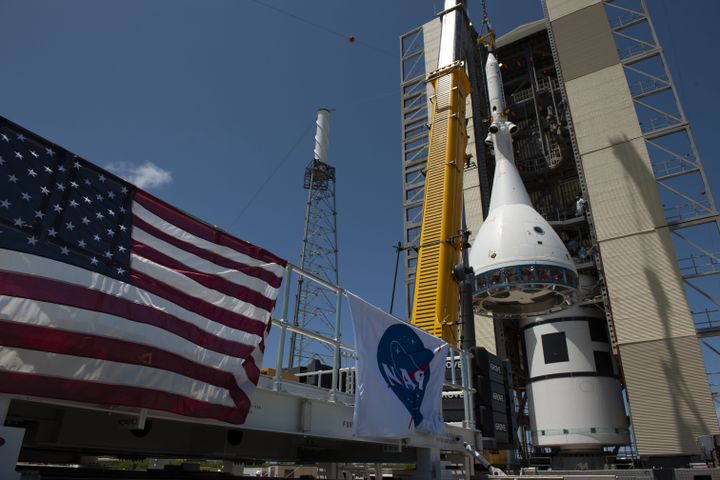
146, 175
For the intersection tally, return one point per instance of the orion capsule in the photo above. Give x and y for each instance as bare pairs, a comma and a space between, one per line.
521, 265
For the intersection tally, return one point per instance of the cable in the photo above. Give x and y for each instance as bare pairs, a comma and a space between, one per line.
321, 27
398, 248
272, 174
487, 38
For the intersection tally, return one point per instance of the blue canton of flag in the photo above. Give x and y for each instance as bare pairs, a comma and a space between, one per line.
55, 204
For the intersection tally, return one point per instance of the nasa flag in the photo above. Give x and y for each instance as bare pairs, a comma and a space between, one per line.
400, 375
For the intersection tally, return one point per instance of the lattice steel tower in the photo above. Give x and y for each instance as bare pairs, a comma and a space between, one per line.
316, 306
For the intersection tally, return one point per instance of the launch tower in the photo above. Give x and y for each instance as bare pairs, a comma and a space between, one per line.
315, 306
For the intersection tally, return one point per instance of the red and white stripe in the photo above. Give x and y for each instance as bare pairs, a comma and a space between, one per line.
185, 335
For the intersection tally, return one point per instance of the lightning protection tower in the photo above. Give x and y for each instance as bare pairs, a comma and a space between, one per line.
316, 306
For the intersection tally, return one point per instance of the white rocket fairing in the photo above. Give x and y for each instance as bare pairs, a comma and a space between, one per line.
521, 265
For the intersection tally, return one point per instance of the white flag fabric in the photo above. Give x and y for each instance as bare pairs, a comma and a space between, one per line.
400, 374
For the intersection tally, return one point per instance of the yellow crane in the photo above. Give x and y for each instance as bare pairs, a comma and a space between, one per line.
437, 293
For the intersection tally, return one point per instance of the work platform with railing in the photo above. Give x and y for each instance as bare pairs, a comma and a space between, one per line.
296, 415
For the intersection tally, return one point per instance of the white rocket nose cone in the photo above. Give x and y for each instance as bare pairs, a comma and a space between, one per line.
521, 265
491, 63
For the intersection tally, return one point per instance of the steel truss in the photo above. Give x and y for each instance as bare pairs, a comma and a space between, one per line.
316, 306
414, 107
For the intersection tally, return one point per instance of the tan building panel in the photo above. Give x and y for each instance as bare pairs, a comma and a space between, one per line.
647, 296
669, 396
584, 42
667, 387
431, 38
602, 109
485, 333
560, 8
622, 191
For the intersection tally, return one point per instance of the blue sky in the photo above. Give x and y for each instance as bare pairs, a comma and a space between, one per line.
206, 99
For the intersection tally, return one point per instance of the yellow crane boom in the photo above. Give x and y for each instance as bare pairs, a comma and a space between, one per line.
436, 294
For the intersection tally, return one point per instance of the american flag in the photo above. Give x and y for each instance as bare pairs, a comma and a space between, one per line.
111, 296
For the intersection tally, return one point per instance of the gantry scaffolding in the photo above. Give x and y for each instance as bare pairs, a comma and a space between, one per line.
651, 212
652, 226
688, 203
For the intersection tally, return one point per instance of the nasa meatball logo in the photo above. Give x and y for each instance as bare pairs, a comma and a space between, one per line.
404, 363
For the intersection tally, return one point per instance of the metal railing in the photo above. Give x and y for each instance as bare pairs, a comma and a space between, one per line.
620, 21
673, 167
543, 85
661, 122
697, 265
644, 87
706, 319
687, 211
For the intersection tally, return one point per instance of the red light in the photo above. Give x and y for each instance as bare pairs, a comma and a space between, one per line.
351, 39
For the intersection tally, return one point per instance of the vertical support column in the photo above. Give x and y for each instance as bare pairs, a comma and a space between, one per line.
10, 442
468, 467
336, 348
465, 378
469, 388
283, 329
428, 464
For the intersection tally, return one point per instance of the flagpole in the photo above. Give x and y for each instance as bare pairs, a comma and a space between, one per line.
283, 328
